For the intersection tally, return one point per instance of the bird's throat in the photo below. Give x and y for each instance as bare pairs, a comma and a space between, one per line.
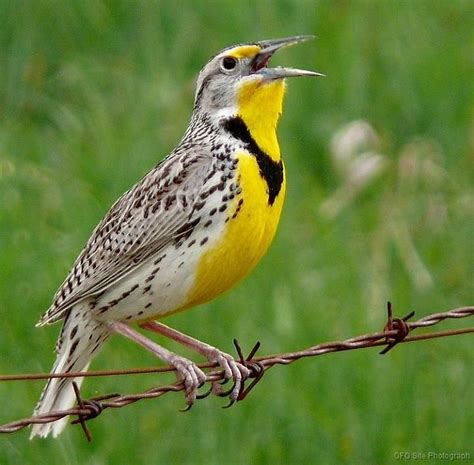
259, 106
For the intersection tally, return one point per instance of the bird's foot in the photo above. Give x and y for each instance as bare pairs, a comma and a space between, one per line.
233, 370
191, 376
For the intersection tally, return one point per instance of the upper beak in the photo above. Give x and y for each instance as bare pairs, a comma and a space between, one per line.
268, 48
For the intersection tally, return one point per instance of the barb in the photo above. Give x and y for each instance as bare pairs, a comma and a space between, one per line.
396, 331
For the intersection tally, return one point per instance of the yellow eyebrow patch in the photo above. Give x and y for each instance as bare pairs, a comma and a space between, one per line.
244, 51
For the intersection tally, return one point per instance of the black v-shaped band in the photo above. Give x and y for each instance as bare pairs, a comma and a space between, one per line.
270, 170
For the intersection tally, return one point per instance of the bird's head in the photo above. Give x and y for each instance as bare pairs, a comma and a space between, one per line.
238, 80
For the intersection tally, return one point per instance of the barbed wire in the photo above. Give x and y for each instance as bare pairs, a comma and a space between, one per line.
396, 331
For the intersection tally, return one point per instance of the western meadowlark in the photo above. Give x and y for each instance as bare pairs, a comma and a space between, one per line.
193, 227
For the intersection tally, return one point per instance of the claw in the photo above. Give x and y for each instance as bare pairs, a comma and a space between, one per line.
187, 408
230, 404
204, 394
226, 393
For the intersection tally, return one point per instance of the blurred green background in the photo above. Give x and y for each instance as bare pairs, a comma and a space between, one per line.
380, 207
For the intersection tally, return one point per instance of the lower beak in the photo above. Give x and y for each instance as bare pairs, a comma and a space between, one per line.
268, 48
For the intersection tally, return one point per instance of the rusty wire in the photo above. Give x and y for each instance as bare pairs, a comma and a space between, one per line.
396, 331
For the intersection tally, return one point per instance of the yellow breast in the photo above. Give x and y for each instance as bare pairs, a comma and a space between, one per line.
245, 239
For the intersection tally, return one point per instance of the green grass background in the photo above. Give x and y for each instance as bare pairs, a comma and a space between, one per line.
94, 93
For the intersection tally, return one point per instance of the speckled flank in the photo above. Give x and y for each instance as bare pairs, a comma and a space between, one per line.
161, 284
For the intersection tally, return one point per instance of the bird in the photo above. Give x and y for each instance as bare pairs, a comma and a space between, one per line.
188, 231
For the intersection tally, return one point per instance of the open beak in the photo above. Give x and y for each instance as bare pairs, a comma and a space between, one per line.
268, 48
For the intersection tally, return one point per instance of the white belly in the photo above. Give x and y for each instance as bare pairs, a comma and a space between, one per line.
161, 285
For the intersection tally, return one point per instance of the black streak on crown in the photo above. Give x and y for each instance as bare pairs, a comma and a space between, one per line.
270, 170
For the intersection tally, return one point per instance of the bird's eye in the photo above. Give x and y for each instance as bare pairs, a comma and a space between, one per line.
228, 63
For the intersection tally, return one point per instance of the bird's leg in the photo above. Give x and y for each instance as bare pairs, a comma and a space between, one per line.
232, 369
192, 376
